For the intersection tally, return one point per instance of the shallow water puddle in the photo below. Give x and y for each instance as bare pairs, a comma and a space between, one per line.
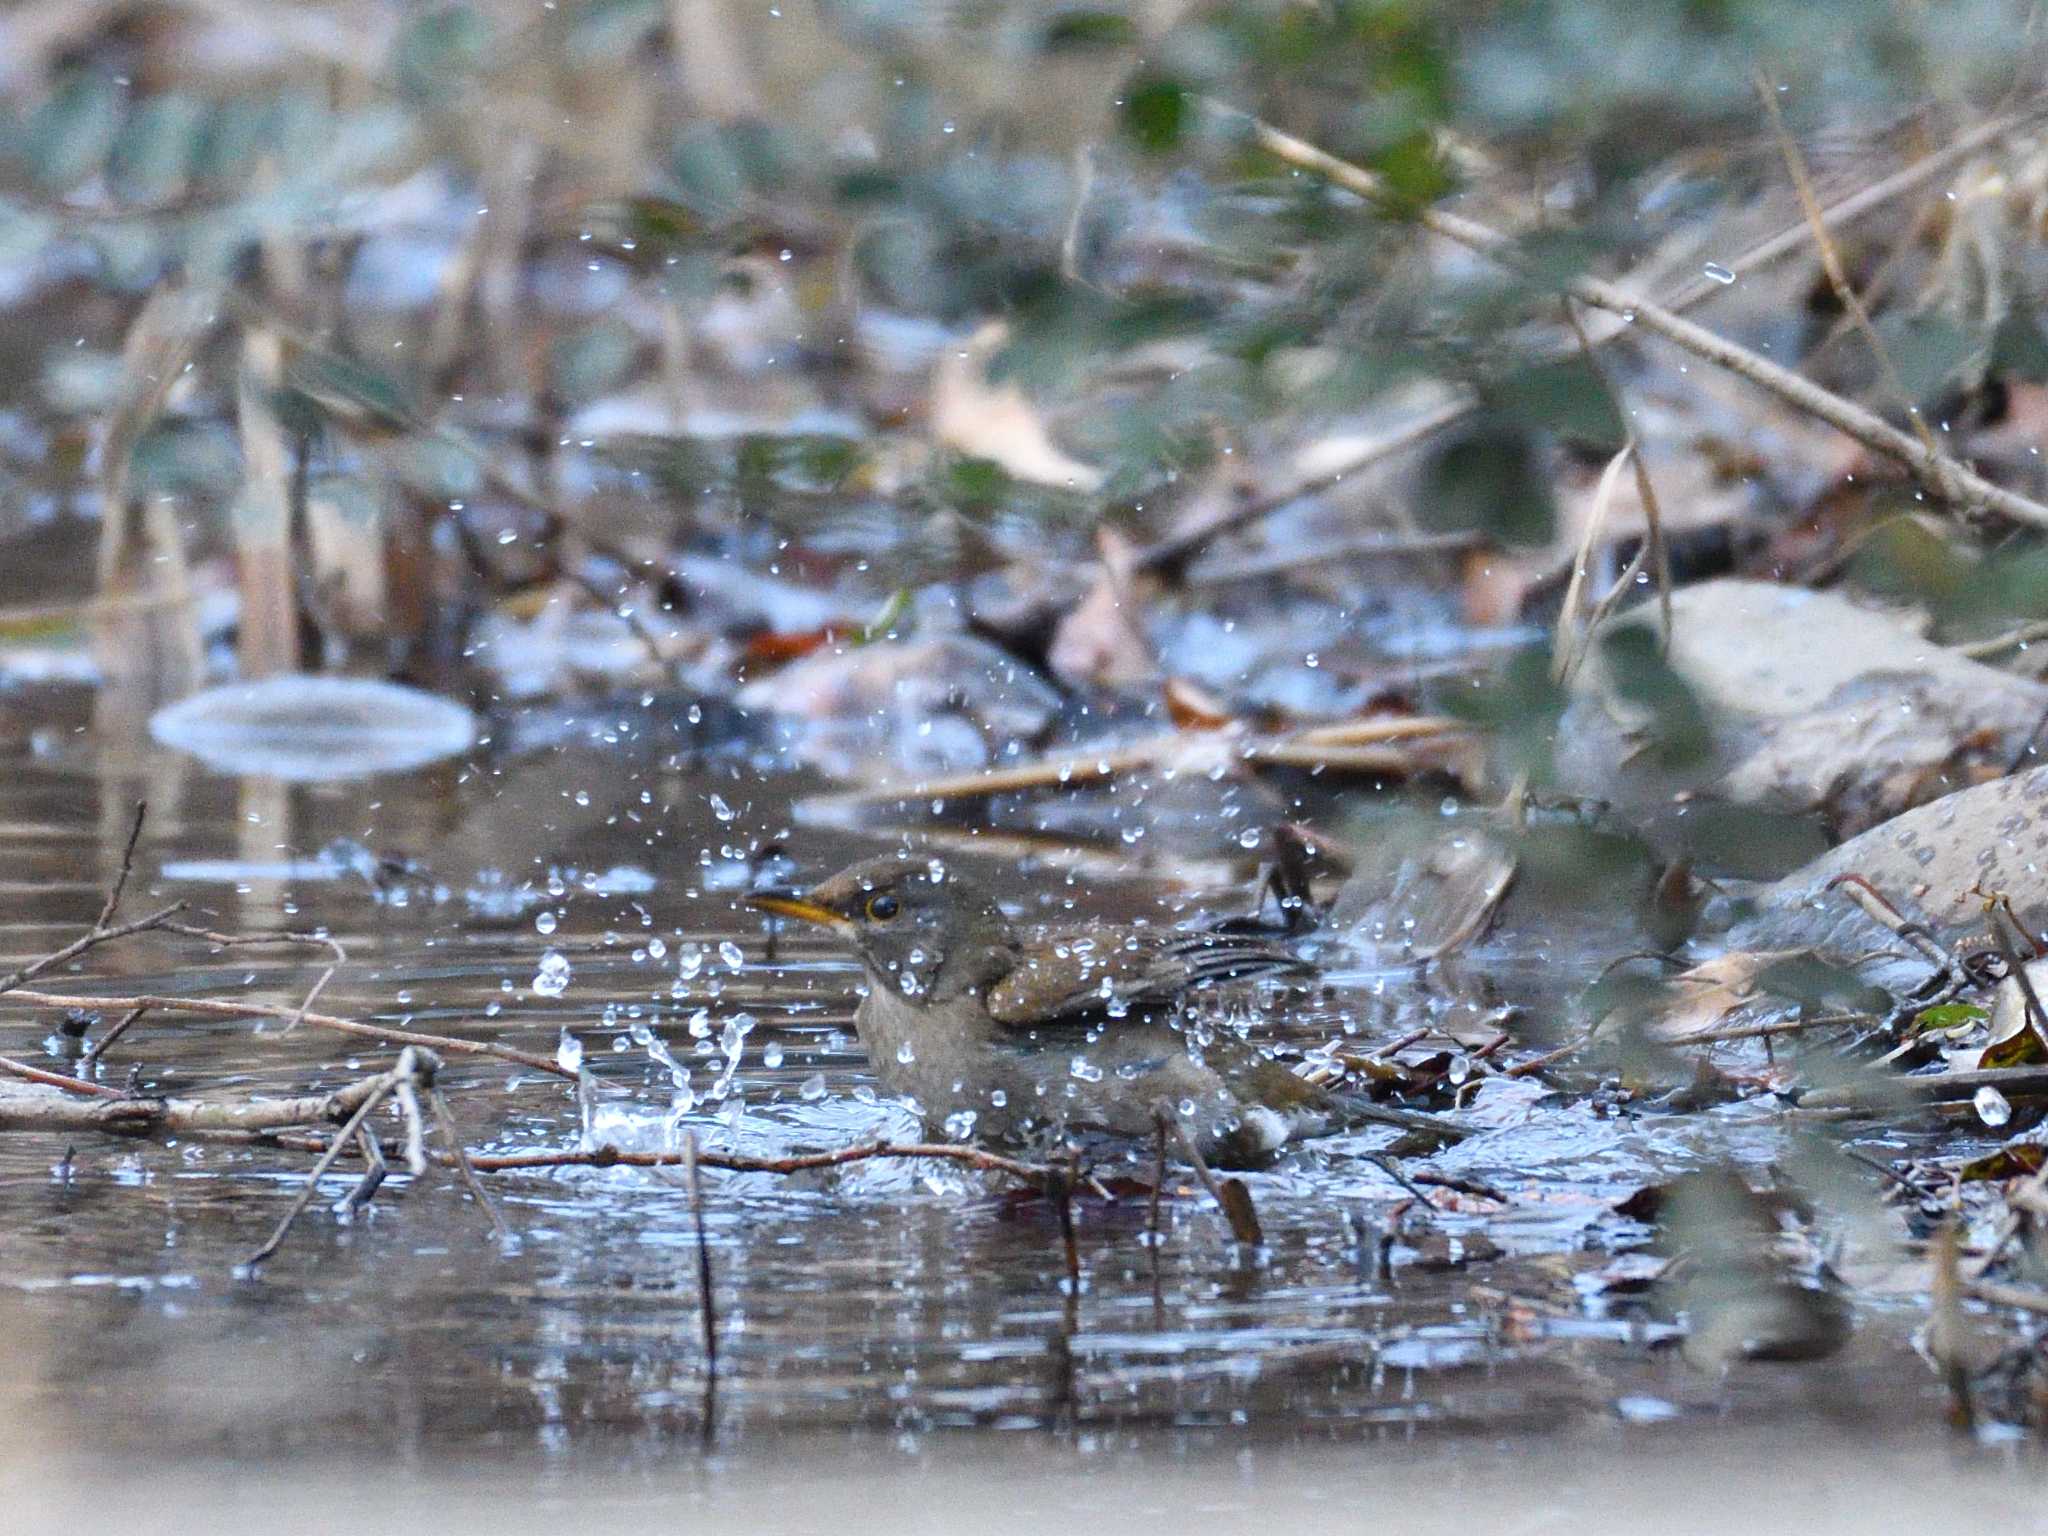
892, 1296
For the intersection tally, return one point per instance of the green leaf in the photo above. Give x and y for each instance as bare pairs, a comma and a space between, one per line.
1086, 31
157, 149
1489, 481
1946, 1016
1679, 732
71, 134
2018, 348
1157, 112
439, 51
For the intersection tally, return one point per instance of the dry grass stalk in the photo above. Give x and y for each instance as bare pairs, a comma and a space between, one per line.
1831, 264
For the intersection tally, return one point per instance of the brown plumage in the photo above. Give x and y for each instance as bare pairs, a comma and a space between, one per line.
1017, 1035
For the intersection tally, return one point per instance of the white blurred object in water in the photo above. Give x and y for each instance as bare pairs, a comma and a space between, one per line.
303, 729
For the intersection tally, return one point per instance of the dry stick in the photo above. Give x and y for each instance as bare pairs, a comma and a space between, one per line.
406, 1092
222, 1009
1831, 263
1176, 548
1569, 647
1377, 546
98, 1048
375, 1171
381, 1089
109, 1110
1943, 477
1158, 1184
91, 940
1367, 744
459, 1155
2013, 1296
2012, 639
113, 901
616, 1157
27, 1073
1059, 1189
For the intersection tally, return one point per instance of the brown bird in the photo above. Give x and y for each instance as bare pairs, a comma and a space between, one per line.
1016, 1036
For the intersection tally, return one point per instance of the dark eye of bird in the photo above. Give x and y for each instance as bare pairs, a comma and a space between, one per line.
881, 908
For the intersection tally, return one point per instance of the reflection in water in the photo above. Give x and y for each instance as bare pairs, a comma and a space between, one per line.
887, 1298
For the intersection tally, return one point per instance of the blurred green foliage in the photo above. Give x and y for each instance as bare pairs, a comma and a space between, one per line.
1078, 171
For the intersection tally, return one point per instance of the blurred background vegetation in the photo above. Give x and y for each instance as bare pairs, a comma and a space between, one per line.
336, 325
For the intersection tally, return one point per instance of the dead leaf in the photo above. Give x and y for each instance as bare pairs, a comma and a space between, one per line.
995, 422
1101, 643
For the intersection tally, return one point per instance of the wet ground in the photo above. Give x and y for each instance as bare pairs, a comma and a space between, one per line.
891, 1306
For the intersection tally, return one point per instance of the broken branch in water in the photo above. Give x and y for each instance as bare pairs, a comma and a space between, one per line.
220, 1008
94, 1107
732, 1162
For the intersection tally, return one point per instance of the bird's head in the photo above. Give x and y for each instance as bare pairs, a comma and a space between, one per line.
919, 929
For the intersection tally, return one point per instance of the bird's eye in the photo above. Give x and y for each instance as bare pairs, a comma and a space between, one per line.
882, 908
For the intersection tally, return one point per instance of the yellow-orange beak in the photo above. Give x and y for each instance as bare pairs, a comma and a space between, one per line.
800, 908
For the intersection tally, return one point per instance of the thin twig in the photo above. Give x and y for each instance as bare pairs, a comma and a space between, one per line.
90, 940
1059, 1189
1893, 1092
98, 1049
113, 901
1831, 263
29, 1074
1656, 548
2014, 1296
460, 1157
221, 1008
380, 1091
1230, 1195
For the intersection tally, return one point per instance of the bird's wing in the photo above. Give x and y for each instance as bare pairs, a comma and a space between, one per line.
1062, 979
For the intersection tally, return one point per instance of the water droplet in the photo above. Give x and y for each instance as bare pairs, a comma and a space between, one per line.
569, 1053
813, 1088
998, 1098
546, 923
1992, 1107
1716, 273
1084, 1070
905, 1054
552, 979
771, 1055
729, 952
960, 1124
